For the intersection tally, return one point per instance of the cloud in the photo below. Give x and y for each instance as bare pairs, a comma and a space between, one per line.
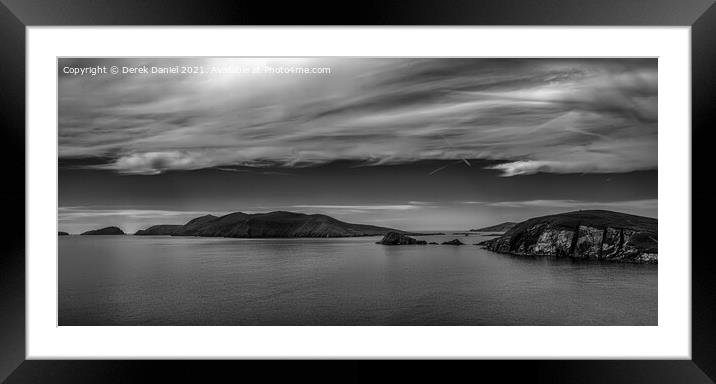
645, 204
79, 219
74, 213
157, 162
389, 207
534, 115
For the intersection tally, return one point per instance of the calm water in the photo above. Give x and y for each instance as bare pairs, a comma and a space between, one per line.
127, 280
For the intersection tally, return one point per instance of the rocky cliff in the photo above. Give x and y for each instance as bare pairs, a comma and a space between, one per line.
267, 225
602, 235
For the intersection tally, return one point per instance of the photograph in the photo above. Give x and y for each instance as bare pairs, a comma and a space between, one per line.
357, 191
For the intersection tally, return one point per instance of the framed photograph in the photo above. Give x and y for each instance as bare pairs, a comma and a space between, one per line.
453, 181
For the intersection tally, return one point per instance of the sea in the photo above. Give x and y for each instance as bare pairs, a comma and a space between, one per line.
163, 280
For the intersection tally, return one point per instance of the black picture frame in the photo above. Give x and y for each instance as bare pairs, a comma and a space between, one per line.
16, 15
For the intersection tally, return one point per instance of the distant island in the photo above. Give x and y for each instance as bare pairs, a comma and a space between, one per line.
105, 231
592, 234
395, 238
503, 227
277, 224
60, 233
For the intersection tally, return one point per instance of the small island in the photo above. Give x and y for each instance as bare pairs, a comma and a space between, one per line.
395, 238
105, 231
60, 233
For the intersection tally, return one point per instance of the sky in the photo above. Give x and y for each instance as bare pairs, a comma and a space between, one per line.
408, 143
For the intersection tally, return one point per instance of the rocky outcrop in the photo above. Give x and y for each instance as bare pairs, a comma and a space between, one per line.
453, 242
395, 238
105, 231
599, 235
60, 233
267, 225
